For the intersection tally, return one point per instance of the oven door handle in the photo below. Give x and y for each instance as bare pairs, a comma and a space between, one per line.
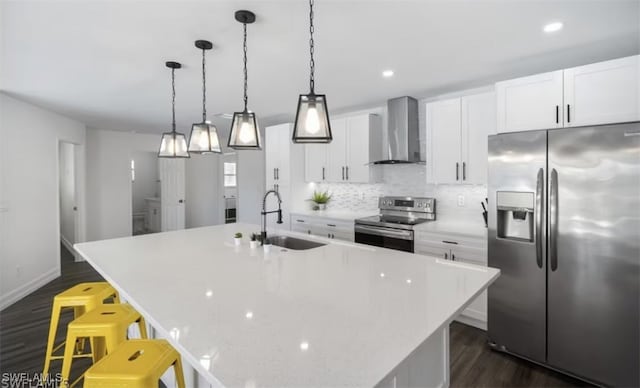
392, 233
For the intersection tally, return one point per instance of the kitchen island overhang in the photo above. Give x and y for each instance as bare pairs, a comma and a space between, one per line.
342, 314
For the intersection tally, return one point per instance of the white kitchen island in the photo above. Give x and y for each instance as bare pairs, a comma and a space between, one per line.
340, 315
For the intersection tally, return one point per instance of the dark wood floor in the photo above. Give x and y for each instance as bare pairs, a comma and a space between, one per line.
24, 328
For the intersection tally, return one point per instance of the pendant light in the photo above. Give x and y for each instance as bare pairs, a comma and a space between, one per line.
204, 135
312, 117
174, 144
244, 134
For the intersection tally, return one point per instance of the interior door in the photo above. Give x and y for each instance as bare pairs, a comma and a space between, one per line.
443, 123
336, 151
602, 93
478, 122
357, 149
172, 186
594, 253
517, 300
530, 103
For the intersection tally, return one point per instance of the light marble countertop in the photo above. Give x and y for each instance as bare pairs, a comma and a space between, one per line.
340, 315
344, 215
462, 228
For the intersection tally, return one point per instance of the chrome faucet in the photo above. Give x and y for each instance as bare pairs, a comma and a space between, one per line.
263, 232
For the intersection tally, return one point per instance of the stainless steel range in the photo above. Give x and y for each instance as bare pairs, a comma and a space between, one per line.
393, 227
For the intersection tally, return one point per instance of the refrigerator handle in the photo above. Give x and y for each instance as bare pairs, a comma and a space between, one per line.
553, 220
538, 215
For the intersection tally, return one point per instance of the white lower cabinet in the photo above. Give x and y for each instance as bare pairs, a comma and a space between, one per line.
466, 250
323, 227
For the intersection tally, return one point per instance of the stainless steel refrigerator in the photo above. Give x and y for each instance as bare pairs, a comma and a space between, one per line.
564, 229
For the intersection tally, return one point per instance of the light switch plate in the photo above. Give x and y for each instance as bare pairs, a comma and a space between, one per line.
460, 200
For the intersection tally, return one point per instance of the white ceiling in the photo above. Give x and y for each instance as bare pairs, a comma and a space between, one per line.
102, 62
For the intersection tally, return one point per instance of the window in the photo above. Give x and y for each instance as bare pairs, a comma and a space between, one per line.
229, 175
133, 170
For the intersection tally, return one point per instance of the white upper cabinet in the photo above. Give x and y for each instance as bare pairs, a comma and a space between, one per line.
336, 151
458, 129
605, 92
277, 152
356, 141
443, 123
528, 103
315, 162
600, 93
478, 121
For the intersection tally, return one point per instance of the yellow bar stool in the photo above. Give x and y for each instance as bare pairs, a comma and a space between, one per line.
82, 297
135, 364
106, 327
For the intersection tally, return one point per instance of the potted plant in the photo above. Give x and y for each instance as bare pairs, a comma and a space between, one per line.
237, 238
253, 243
320, 199
267, 245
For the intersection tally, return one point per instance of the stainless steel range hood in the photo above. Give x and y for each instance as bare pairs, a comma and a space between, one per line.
402, 132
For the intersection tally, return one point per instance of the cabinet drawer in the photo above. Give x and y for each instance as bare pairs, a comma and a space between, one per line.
450, 240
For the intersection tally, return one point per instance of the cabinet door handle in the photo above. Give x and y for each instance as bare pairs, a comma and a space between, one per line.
333, 235
446, 256
299, 220
450, 242
322, 173
453, 257
331, 225
557, 114
457, 168
464, 171
278, 173
342, 172
568, 113
309, 231
347, 169
274, 174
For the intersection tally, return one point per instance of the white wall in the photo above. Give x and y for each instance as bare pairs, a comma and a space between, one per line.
251, 181
109, 181
146, 184
29, 217
204, 191
67, 186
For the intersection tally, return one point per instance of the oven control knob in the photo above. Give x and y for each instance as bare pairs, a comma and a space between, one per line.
419, 204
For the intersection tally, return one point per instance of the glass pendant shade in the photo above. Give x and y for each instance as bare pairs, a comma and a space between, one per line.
173, 145
312, 120
204, 139
244, 132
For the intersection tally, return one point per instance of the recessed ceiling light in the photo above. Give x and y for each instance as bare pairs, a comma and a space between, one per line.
387, 73
553, 27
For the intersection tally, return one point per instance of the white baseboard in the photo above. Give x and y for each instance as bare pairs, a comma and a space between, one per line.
477, 323
27, 288
69, 247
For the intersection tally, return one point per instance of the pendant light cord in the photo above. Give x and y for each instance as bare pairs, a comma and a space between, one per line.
173, 99
311, 48
204, 88
246, 98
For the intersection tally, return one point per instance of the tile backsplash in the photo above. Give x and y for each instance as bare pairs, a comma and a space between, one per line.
406, 180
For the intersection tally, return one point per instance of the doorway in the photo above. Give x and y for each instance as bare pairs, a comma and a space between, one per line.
67, 195
146, 209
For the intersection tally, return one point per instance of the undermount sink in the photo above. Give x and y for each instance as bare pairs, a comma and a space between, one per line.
297, 244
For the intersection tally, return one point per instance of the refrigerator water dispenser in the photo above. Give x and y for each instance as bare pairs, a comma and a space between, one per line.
515, 215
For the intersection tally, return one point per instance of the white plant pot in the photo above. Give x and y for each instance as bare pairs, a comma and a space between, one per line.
321, 206
267, 248
254, 244
237, 241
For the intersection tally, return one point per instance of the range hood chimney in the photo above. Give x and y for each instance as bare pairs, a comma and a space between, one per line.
403, 132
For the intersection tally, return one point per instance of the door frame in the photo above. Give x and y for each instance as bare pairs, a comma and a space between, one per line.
80, 227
